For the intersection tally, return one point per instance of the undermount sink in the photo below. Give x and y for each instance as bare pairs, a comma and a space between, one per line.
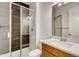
70, 43
61, 44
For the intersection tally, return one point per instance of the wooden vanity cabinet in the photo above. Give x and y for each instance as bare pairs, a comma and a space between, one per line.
48, 51
45, 53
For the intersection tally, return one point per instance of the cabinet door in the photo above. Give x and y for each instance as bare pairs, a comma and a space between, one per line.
46, 54
54, 51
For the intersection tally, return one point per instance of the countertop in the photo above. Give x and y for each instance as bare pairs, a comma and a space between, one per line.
67, 47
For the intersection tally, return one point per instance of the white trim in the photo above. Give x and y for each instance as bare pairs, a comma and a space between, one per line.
10, 31
22, 6
54, 3
20, 31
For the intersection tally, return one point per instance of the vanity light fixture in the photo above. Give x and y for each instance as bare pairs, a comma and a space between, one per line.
59, 4
65, 2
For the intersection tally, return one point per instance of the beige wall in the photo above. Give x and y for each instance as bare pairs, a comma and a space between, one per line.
45, 20
33, 25
41, 22
4, 22
74, 23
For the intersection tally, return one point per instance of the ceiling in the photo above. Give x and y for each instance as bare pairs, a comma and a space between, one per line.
27, 3
51, 3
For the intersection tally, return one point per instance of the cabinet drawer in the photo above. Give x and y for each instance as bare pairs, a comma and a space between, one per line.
55, 51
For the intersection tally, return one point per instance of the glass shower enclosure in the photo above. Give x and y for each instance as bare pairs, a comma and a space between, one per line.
14, 28
20, 28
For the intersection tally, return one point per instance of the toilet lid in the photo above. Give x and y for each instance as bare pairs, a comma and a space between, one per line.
35, 52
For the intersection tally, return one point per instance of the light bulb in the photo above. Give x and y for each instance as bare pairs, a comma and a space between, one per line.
59, 4
65, 2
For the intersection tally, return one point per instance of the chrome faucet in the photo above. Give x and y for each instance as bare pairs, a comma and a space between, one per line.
63, 38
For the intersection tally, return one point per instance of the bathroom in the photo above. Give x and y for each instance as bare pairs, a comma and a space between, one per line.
28, 27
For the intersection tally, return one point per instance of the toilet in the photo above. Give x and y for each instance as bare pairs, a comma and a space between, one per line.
36, 52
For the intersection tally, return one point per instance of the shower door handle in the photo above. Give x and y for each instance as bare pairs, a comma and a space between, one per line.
8, 34
31, 29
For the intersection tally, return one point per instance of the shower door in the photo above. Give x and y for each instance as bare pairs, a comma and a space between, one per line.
25, 30
20, 30
15, 27
25, 27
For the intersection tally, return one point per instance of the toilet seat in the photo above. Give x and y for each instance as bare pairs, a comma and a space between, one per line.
35, 53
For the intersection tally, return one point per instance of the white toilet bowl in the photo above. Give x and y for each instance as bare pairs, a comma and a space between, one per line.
35, 53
